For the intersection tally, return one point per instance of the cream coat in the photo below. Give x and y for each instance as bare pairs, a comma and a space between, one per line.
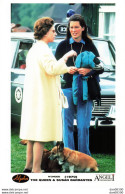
41, 110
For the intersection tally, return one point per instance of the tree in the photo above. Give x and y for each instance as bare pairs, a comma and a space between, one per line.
27, 13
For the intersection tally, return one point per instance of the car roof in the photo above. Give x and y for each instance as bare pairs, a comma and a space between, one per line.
22, 35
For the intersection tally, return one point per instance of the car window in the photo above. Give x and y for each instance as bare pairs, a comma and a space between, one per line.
21, 56
53, 46
105, 53
13, 49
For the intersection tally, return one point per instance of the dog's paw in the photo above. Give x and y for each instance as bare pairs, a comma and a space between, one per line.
63, 170
60, 162
71, 168
87, 170
96, 169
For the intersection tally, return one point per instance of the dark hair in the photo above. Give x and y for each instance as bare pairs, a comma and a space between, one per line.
80, 19
42, 26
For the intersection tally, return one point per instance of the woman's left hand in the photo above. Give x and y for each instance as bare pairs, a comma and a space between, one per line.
83, 71
72, 69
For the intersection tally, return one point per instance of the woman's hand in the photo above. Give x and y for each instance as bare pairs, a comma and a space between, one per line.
71, 53
72, 69
83, 71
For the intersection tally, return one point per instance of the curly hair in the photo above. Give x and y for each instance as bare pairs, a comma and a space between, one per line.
42, 26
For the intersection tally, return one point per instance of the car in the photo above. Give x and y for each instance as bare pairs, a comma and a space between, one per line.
103, 115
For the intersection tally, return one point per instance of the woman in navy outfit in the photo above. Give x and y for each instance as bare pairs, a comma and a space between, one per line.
78, 40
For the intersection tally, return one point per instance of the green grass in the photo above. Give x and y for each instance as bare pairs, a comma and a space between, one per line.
18, 156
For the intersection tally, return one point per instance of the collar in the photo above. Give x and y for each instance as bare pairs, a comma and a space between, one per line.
72, 41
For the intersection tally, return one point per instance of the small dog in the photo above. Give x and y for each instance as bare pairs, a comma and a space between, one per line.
49, 165
73, 161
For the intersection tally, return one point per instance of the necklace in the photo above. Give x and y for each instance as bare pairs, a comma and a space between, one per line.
79, 53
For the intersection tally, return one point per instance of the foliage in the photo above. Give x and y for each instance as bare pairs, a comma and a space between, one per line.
27, 13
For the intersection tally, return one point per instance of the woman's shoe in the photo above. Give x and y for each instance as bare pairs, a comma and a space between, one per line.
27, 170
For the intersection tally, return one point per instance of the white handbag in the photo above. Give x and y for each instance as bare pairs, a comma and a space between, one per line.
64, 100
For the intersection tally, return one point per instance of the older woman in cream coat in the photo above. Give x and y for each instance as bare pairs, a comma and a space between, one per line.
41, 119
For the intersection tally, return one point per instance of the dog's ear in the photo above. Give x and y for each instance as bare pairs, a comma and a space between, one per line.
60, 145
96, 60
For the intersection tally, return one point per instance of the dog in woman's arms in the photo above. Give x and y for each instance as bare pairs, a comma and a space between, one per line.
73, 161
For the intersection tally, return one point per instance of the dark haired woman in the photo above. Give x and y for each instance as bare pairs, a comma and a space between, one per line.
78, 40
41, 111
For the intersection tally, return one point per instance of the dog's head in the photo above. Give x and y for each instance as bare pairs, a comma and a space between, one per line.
57, 150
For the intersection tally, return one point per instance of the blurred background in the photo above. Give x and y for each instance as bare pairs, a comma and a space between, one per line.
100, 18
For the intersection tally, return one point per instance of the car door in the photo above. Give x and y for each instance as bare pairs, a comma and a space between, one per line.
19, 50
